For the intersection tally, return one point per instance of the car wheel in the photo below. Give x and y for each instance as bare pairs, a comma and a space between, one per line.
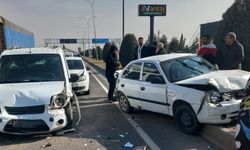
186, 119
124, 104
69, 115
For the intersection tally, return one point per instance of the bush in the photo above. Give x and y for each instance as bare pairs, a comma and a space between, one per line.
128, 48
99, 51
105, 50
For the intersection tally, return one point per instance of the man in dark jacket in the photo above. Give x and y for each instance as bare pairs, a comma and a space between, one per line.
232, 55
111, 65
143, 50
160, 49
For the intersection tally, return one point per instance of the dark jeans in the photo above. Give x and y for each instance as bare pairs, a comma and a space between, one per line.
112, 81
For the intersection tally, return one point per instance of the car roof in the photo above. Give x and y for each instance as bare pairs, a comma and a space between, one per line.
73, 58
165, 57
44, 50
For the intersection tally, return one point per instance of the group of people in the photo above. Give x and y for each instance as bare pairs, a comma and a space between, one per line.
143, 50
228, 58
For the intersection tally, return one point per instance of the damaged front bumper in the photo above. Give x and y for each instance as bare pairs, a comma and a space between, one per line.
221, 113
28, 123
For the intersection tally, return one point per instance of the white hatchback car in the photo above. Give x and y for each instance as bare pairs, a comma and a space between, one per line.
184, 86
35, 92
78, 69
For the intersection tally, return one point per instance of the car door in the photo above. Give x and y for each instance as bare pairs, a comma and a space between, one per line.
129, 83
153, 89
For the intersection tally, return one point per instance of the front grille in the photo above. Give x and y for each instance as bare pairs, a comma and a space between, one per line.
238, 95
25, 110
26, 126
78, 88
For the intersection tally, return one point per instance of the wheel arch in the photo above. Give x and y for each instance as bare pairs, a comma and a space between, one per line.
179, 103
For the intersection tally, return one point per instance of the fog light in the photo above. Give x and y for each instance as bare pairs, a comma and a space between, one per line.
60, 122
51, 119
223, 117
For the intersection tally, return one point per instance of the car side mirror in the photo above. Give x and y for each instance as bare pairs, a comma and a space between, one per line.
157, 80
73, 78
87, 68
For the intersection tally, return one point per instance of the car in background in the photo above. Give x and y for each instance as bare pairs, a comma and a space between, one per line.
36, 95
78, 69
184, 86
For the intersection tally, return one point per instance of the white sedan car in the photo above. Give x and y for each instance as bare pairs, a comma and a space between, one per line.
78, 69
184, 86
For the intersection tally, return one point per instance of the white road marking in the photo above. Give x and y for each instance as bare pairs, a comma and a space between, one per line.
139, 130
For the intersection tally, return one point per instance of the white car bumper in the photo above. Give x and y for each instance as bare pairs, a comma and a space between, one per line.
80, 87
225, 113
48, 121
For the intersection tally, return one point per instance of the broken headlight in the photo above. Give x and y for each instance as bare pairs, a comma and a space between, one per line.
215, 97
58, 101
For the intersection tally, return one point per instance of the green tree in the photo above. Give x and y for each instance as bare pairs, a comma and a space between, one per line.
99, 51
105, 50
174, 45
237, 19
128, 48
164, 40
182, 42
93, 51
194, 47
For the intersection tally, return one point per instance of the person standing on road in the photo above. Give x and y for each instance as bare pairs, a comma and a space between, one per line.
232, 54
208, 50
160, 49
111, 66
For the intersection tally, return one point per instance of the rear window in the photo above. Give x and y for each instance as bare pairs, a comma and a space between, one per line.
75, 64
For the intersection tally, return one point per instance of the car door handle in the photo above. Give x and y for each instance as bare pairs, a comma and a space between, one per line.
122, 85
142, 88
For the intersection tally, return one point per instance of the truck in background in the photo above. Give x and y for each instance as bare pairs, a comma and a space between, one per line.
14, 36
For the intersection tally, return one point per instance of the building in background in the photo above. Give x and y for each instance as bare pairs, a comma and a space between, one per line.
210, 28
14, 36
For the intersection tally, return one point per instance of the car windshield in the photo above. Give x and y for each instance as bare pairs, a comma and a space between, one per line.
31, 68
186, 67
75, 64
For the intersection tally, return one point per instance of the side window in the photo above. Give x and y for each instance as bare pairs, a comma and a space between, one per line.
151, 74
133, 72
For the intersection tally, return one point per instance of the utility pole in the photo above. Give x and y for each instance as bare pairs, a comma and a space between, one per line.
151, 30
123, 19
92, 2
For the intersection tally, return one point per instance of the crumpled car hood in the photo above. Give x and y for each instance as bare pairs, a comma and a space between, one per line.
224, 81
29, 94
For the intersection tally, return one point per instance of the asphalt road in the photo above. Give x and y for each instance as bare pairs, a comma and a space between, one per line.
103, 124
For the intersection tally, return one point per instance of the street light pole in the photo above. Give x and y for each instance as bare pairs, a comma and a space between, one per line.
123, 18
93, 13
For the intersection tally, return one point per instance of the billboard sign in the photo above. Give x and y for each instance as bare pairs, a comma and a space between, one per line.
152, 10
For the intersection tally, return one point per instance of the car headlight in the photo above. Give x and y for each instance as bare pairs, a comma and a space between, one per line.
82, 77
58, 101
215, 97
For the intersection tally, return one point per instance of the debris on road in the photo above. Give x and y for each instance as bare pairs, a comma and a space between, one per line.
46, 145
62, 132
128, 145
122, 136
141, 148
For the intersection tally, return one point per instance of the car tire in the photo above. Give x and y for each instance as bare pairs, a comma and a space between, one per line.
69, 115
124, 104
187, 120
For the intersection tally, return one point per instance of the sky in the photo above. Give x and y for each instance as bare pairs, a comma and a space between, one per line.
64, 18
